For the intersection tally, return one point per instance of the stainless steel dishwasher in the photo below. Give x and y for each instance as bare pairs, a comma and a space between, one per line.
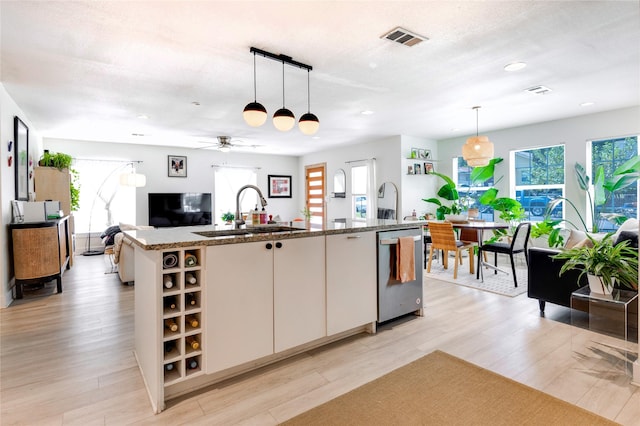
395, 298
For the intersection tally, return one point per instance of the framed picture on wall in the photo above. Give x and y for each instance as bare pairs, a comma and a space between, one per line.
428, 167
279, 186
177, 166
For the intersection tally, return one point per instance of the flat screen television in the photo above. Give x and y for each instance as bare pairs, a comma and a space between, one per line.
179, 209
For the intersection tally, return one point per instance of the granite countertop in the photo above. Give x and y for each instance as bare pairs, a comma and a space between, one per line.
168, 238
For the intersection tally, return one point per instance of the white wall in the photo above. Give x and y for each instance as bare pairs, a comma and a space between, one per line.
8, 110
572, 132
390, 154
200, 170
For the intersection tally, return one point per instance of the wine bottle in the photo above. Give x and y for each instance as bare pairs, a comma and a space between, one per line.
171, 324
169, 367
192, 364
191, 299
190, 260
190, 278
168, 281
169, 346
170, 303
191, 341
192, 320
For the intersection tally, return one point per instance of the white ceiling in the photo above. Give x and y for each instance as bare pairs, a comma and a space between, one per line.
87, 69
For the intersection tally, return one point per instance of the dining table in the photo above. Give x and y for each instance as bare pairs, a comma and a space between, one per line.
480, 227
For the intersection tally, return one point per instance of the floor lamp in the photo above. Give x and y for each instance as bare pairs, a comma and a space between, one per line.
126, 179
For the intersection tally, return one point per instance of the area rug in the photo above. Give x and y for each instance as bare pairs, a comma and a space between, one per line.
499, 283
440, 389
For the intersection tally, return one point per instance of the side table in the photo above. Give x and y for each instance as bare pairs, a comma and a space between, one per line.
614, 317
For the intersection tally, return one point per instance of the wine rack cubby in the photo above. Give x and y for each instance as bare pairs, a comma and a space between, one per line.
182, 315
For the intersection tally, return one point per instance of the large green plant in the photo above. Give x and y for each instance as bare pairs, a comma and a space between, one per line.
448, 192
603, 189
605, 260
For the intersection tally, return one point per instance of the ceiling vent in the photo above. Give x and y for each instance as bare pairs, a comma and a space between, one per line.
538, 90
402, 36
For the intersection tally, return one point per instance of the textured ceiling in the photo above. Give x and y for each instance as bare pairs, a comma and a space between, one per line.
87, 69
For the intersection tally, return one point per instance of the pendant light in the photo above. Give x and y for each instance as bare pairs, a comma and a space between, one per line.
283, 119
254, 113
478, 150
309, 123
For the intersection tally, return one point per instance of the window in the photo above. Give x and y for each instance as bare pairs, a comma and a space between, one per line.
359, 191
103, 201
610, 154
469, 194
539, 176
228, 181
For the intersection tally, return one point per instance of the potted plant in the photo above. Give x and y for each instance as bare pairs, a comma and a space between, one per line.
63, 161
603, 261
228, 218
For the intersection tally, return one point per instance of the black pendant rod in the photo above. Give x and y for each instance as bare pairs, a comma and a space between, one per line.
280, 58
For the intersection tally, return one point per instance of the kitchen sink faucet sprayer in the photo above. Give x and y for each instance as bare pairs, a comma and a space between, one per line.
239, 220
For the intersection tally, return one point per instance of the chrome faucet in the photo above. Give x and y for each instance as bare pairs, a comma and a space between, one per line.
239, 220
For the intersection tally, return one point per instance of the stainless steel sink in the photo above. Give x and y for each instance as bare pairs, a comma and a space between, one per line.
223, 233
247, 231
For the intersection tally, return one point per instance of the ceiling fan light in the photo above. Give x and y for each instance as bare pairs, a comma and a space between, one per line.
309, 124
284, 120
224, 148
477, 151
254, 114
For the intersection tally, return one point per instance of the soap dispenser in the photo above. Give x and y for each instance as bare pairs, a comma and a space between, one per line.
255, 216
263, 217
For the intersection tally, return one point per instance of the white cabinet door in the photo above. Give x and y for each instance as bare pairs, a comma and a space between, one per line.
299, 291
351, 281
239, 304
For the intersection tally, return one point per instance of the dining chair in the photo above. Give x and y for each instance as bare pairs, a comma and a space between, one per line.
443, 238
470, 235
517, 245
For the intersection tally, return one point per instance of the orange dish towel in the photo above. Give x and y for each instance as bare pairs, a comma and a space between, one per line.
405, 258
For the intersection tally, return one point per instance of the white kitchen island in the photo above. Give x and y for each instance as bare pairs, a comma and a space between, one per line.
240, 302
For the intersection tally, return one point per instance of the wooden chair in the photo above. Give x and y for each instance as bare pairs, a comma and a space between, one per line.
470, 235
443, 238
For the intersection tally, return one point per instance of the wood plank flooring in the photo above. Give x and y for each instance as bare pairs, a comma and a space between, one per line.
68, 359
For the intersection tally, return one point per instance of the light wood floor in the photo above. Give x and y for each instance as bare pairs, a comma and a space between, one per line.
68, 359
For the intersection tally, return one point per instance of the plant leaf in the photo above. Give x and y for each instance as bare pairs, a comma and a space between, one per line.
581, 176
488, 197
598, 187
484, 173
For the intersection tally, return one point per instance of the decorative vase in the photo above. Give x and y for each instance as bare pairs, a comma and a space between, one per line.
597, 285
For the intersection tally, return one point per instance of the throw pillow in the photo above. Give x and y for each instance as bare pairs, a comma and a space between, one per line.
631, 236
574, 238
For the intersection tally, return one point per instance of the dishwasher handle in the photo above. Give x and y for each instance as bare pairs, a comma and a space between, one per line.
391, 241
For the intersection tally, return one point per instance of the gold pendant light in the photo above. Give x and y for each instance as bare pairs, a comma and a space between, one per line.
478, 150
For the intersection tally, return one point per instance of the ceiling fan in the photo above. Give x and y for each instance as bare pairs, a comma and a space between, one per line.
224, 144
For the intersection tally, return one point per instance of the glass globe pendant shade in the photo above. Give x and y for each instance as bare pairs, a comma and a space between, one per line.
477, 151
309, 124
284, 120
254, 114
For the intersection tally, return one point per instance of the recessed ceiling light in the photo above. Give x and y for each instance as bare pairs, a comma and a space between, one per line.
143, 117
586, 104
515, 66
366, 112
137, 134
195, 103
455, 129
